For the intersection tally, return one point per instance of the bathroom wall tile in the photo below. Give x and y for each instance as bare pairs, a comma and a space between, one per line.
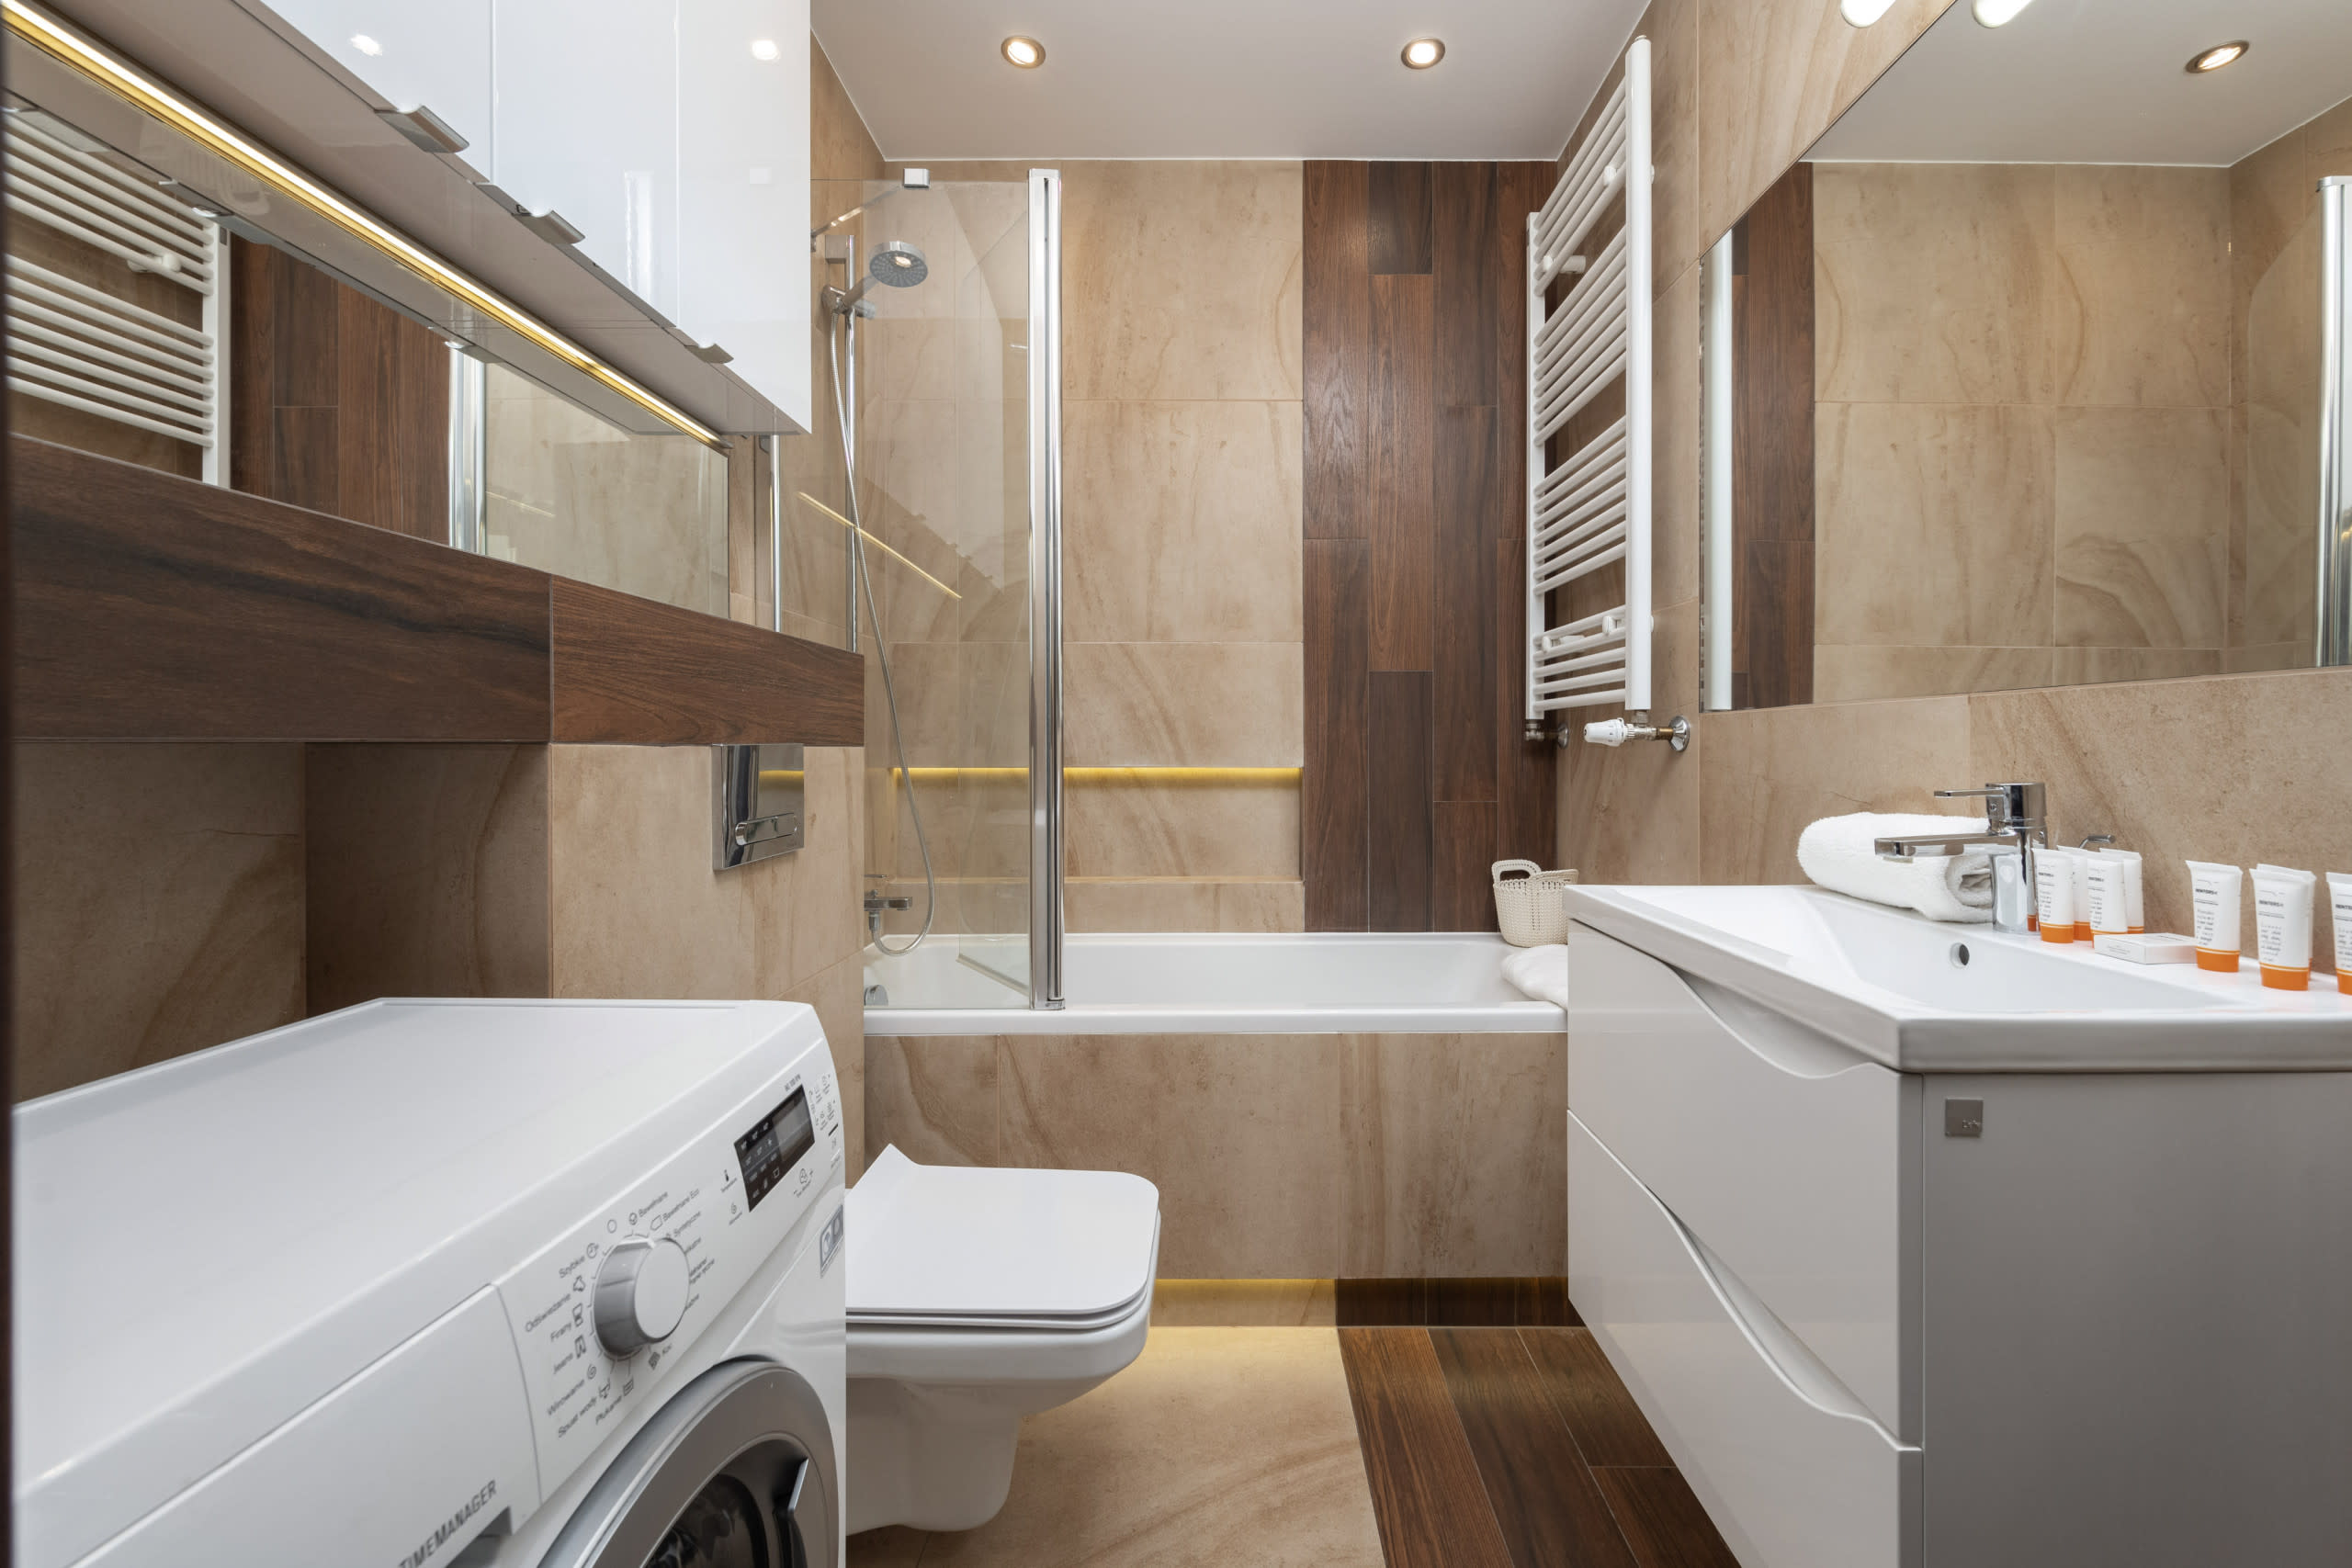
2269, 201
1933, 282
636, 908
840, 147
934, 1096
1243, 1303
1217, 1444
1843, 673
1677, 547
1632, 814
2266, 655
2237, 769
1242, 1133
1672, 27
1184, 522
1935, 524
839, 996
1185, 904
1455, 1165
2142, 510
426, 868
1769, 771
1772, 76
1204, 827
2098, 666
2141, 289
126, 956
1184, 705
1181, 280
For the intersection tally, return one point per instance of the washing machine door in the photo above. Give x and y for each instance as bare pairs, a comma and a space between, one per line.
736, 1471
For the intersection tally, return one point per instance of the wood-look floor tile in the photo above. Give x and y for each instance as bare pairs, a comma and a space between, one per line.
1662, 1520
1425, 1490
1608, 1427
1551, 1513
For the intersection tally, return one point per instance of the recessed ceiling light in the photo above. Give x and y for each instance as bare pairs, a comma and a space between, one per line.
1026, 52
1999, 13
1424, 52
2221, 55
764, 49
366, 45
1862, 13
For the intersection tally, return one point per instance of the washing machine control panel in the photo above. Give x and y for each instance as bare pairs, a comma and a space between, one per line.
599, 1316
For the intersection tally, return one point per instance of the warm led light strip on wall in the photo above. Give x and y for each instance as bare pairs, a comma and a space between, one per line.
117, 77
1169, 775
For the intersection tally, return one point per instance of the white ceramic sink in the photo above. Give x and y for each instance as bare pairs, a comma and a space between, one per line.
1921, 995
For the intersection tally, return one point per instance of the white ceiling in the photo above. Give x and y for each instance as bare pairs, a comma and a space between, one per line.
1222, 78
2101, 81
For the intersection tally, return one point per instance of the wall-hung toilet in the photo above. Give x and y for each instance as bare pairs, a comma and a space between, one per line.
978, 1296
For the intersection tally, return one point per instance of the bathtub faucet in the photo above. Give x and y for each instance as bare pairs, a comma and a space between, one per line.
874, 904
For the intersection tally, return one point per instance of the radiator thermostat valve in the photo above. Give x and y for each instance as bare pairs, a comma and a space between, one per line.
1617, 732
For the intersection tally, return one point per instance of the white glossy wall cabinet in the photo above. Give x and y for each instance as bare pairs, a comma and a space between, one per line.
433, 53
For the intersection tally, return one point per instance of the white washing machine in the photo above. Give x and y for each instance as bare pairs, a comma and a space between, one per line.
424, 1283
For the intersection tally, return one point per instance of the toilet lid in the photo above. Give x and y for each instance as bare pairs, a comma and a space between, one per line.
972, 1245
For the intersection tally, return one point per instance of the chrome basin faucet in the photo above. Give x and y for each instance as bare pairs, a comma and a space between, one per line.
2017, 823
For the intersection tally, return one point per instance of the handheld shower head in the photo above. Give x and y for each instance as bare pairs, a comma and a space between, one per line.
897, 264
894, 263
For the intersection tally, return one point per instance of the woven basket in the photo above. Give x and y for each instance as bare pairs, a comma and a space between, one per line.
1531, 904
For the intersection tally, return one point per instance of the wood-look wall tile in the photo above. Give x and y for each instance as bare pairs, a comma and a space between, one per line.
124, 959
1399, 817
1402, 463
1338, 343
1130, 705
392, 433
1476, 270
1335, 788
1463, 838
1182, 521
1466, 593
1249, 1188
426, 869
934, 1096
1402, 220
1524, 769
1452, 1168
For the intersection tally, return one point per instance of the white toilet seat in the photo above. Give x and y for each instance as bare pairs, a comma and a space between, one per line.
978, 1296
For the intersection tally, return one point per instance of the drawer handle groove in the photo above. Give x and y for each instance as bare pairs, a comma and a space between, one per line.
1800, 1370
1788, 1047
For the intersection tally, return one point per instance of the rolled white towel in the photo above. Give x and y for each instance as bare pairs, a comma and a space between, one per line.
1540, 972
1836, 853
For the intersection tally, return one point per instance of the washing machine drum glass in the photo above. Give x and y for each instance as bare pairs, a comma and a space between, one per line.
736, 1471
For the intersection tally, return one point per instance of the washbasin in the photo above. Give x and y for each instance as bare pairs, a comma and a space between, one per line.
1922, 995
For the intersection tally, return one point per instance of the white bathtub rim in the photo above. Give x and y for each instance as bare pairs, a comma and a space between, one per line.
1099, 1017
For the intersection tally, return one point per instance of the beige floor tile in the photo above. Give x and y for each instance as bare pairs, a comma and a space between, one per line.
1219, 1446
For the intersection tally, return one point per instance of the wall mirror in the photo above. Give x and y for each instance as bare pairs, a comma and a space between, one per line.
2031, 373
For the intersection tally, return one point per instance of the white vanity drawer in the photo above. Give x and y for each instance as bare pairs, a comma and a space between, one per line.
1785, 1154
1794, 1473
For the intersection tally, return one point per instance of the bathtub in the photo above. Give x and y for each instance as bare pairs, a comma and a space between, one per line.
1310, 1106
1340, 982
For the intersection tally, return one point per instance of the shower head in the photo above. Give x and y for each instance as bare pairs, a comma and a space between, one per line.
894, 263
897, 264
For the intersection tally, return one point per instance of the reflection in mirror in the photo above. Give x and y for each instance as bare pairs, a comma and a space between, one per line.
2025, 363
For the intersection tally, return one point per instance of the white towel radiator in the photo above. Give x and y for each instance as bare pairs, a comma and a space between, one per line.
91, 349
1594, 509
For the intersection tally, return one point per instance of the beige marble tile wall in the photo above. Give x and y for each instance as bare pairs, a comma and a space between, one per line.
1280, 1156
2274, 206
1182, 507
1741, 90
634, 909
158, 904
2022, 469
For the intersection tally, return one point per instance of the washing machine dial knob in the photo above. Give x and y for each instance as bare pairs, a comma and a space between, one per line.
641, 1294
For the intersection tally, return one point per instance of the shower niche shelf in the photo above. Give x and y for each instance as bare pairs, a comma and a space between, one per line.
151, 607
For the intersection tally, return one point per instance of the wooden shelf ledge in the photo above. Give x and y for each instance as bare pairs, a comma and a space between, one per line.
151, 607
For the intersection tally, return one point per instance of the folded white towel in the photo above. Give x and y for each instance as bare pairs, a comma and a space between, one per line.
1836, 853
1540, 972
